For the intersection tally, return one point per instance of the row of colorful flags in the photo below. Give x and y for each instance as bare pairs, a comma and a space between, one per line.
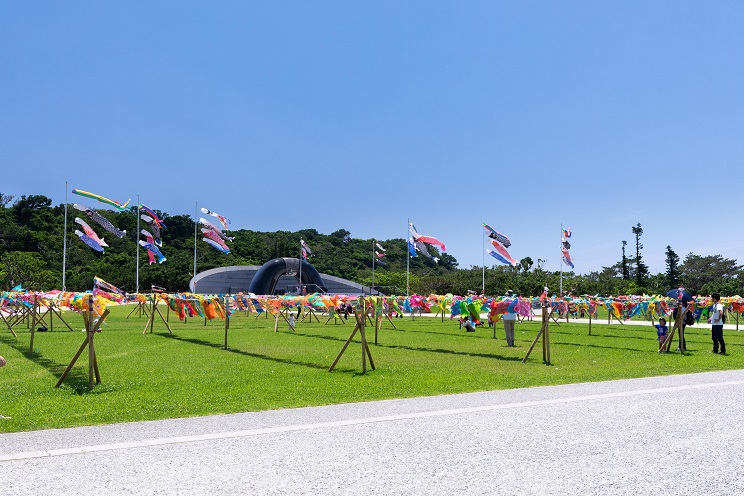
152, 242
216, 238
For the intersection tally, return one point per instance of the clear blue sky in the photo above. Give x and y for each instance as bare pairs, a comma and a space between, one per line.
360, 115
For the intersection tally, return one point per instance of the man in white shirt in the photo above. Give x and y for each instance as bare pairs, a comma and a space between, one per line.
509, 321
716, 323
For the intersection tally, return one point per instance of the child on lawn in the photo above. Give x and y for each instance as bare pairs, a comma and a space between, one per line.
661, 330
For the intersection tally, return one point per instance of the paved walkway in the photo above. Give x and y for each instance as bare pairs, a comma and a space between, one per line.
671, 435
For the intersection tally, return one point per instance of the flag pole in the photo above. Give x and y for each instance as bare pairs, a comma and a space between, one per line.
560, 261
302, 257
373, 266
408, 258
196, 209
483, 254
64, 247
137, 239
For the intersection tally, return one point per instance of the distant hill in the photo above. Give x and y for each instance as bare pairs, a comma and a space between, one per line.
32, 246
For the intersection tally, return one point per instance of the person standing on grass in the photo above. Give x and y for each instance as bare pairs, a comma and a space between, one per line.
716, 324
509, 321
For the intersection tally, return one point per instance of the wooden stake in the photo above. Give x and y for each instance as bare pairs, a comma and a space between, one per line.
227, 322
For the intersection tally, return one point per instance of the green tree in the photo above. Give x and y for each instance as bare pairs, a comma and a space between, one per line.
27, 270
698, 271
641, 272
624, 263
672, 268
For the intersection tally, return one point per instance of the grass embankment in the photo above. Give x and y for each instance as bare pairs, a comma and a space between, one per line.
160, 375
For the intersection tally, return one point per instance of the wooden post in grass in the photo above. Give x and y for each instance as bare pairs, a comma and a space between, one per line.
546, 340
227, 321
33, 324
378, 321
92, 326
366, 353
543, 332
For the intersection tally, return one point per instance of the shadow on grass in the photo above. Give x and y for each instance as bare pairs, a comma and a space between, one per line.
414, 348
76, 379
244, 353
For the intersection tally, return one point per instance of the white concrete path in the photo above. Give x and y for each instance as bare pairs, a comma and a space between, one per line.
677, 435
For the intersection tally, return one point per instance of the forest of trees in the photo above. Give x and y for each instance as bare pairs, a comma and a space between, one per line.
32, 241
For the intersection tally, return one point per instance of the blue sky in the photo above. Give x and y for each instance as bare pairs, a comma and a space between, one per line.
360, 115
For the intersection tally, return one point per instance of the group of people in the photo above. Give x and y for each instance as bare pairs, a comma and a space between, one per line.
508, 318
716, 320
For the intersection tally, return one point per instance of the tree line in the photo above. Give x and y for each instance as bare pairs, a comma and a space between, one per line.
32, 244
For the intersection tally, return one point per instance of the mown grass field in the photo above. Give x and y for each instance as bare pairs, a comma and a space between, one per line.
188, 373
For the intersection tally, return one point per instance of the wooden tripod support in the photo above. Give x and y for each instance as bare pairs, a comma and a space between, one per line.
8, 325
334, 314
153, 309
678, 324
140, 308
283, 312
92, 326
309, 314
360, 324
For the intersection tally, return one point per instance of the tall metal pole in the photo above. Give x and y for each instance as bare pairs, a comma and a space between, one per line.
196, 209
373, 266
560, 293
483, 254
302, 257
137, 240
64, 247
408, 259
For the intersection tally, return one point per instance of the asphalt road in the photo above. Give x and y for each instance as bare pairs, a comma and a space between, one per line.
674, 435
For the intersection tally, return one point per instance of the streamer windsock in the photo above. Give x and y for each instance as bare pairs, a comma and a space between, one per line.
100, 220
216, 246
154, 249
567, 232
421, 246
155, 229
216, 229
101, 199
152, 214
411, 247
305, 249
493, 234
223, 220
498, 257
214, 236
379, 246
429, 240
90, 232
567, 258
88, 241
502, 251
149, 239
108, 287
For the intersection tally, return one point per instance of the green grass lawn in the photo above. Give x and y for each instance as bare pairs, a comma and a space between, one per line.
160, 375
